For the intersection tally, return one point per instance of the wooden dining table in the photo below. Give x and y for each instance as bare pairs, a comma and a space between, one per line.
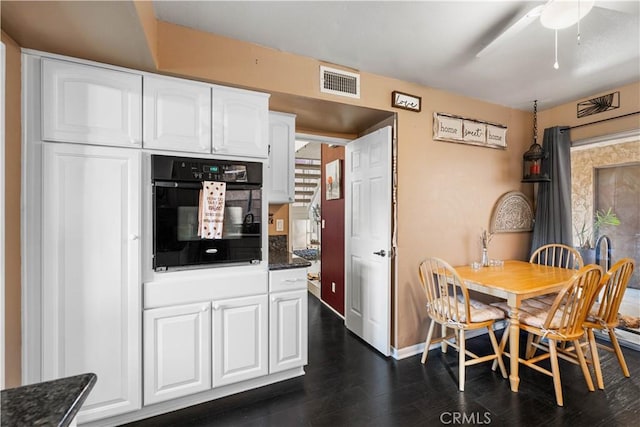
515, 281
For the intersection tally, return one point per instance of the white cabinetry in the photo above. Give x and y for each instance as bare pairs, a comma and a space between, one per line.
90, 105
240, 122
282, 134
177, 351
177, 115
91, 272
240, 339
288, 319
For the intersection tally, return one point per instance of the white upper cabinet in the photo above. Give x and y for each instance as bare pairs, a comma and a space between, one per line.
240, 122
90, 105
282, 134
177, 115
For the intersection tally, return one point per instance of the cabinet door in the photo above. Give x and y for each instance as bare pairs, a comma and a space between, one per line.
91, 272
240, 122
90, 105
282, 134
177, 351
287, 330
240, 339
177, 115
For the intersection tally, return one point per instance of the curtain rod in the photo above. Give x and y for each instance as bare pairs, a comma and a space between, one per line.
600, 121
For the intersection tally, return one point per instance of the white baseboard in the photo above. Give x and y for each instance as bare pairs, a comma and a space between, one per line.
412, 350
332, 309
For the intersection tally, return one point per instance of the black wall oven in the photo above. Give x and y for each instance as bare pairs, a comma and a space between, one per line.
176, 185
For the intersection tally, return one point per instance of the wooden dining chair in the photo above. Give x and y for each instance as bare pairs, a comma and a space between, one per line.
563, 322
449, 305
554, 255
557, 255
604, 314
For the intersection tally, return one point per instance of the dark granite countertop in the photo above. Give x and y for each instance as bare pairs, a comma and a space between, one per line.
281, 260
49, 403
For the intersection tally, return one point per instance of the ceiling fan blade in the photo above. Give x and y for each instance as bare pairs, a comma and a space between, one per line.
513, 29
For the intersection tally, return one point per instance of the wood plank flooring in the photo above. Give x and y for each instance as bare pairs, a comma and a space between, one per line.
349, 384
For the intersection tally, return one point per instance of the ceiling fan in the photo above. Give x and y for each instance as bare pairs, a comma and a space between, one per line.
554, 14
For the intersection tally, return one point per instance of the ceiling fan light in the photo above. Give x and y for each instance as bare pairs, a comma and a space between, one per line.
559, 14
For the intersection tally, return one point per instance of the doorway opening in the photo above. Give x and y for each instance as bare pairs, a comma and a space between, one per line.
311, 211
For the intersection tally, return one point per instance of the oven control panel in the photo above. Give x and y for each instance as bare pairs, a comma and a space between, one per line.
188, 169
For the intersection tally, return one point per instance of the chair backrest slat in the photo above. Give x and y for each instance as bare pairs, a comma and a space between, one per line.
557, 255
444, 289
574, 301
614, 285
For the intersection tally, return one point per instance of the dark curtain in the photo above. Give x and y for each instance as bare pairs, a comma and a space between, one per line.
553, 209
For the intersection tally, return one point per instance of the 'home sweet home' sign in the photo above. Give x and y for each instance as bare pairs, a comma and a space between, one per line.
450, 128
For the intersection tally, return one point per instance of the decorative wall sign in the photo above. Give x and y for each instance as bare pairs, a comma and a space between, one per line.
450, 128
512, 213
599, 104
406, 101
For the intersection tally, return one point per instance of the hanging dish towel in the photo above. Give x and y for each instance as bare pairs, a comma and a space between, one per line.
211, 209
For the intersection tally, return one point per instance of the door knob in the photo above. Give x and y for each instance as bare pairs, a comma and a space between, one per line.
381, 252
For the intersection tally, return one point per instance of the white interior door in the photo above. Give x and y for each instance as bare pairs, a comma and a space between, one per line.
368, 238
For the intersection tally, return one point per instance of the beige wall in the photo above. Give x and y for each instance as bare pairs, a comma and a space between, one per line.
445, 191
566, 115
12, 214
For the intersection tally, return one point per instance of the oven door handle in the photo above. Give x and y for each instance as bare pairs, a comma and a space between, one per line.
176, 184
198, 185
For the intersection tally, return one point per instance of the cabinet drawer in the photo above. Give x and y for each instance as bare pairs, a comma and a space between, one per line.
218, 284
287, 280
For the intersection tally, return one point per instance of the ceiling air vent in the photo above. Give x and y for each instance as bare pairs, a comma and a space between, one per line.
339, 82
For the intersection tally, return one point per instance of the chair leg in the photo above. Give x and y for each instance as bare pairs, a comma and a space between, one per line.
496, 350
594, 357
618, 350
555, 371
503, 344
583, 365
443, 344
427, 343
461, 360
530, 350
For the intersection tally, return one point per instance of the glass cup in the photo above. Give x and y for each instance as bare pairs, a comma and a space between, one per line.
475, 266
496, 263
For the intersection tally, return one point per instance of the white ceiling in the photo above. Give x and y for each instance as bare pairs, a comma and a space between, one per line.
434, 43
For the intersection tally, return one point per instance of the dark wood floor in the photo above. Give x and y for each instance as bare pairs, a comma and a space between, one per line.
348, 383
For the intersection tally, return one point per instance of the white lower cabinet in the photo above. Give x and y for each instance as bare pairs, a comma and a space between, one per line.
287, 319
193, 347
240, 339
177, 351
287, 330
